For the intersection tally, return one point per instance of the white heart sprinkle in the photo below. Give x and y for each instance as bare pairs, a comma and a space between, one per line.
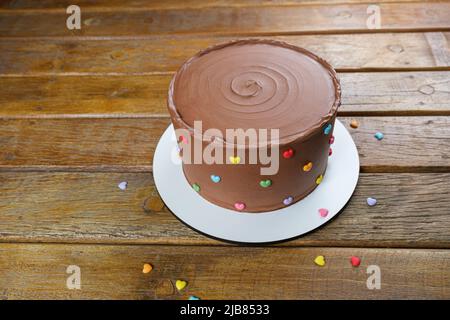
123, 185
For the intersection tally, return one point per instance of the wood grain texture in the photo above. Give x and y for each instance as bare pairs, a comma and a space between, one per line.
167, 4
412, 211
411, 144
144, 55
347, 18
385, 93
114, 272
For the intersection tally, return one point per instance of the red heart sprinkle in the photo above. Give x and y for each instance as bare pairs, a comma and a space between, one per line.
288, 153
330, 152
183, 139
355, 261
331, 141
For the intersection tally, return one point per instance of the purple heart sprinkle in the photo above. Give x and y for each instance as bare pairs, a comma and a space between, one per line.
288, 201
371, 202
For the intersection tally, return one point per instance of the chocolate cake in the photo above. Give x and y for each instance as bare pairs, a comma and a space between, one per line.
255, 84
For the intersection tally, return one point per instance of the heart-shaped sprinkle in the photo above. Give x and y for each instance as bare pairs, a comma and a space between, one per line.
239, 206
307, 167
180, 284
379, 136
287, 201
323, 212
354, 124
289, 153
320, 261
355, 261
371, 202
123, 185
196, 187
330, 152
183, 139
194, 298
235, 160
331, 141
147, 268
319, 179
215, 179
265, 183
327, 129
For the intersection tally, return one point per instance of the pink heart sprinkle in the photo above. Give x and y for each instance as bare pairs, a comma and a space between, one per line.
239, 206
183, 139
323, 212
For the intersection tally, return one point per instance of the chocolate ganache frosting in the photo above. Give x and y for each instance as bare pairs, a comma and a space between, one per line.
256, 84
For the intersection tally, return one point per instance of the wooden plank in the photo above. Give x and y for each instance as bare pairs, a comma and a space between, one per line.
114, 272
411, 144
412, 211
386, 93
355, 52
347, 18
167, 4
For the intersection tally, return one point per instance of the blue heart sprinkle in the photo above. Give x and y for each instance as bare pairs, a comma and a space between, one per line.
371, 202
194, 298
379, 135
327, 129
215, 179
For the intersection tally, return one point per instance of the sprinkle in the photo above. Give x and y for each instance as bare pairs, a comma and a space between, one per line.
354, 124
239, 206
307, 167
183, 139
288, 153
265, 183
288, 201
355, 261
327, 129
196, 187
331, 141
379, 136
330, 152
123, 185
147, 268
320, 261
319, 179
323, 212
215, 179
235, 160
371, 201
194, 298
180, 284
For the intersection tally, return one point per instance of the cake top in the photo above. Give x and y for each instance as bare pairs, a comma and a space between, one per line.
261, 84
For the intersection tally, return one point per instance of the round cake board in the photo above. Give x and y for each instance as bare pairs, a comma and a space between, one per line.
187, 205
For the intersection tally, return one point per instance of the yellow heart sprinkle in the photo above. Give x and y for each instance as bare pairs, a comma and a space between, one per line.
319, 179
235, 160
307, 166
320, 261
180, 284
147, 268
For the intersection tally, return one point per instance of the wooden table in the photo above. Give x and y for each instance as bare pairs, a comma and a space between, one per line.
82, 110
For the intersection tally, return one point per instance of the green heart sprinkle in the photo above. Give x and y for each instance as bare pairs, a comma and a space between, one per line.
265, 183
196, 187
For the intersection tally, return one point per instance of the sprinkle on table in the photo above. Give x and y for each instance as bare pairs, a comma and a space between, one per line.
379, 136
147, 268
123, 185
371, 201
354, 124
320, 261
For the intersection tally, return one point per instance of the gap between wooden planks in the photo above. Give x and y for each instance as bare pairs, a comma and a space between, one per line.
339, 18
115, 272
153, 55
412, 211
363, 94
411, 144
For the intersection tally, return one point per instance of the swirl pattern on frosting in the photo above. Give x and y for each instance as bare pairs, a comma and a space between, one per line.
255, 84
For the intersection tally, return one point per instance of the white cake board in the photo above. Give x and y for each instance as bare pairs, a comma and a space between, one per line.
333, 193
